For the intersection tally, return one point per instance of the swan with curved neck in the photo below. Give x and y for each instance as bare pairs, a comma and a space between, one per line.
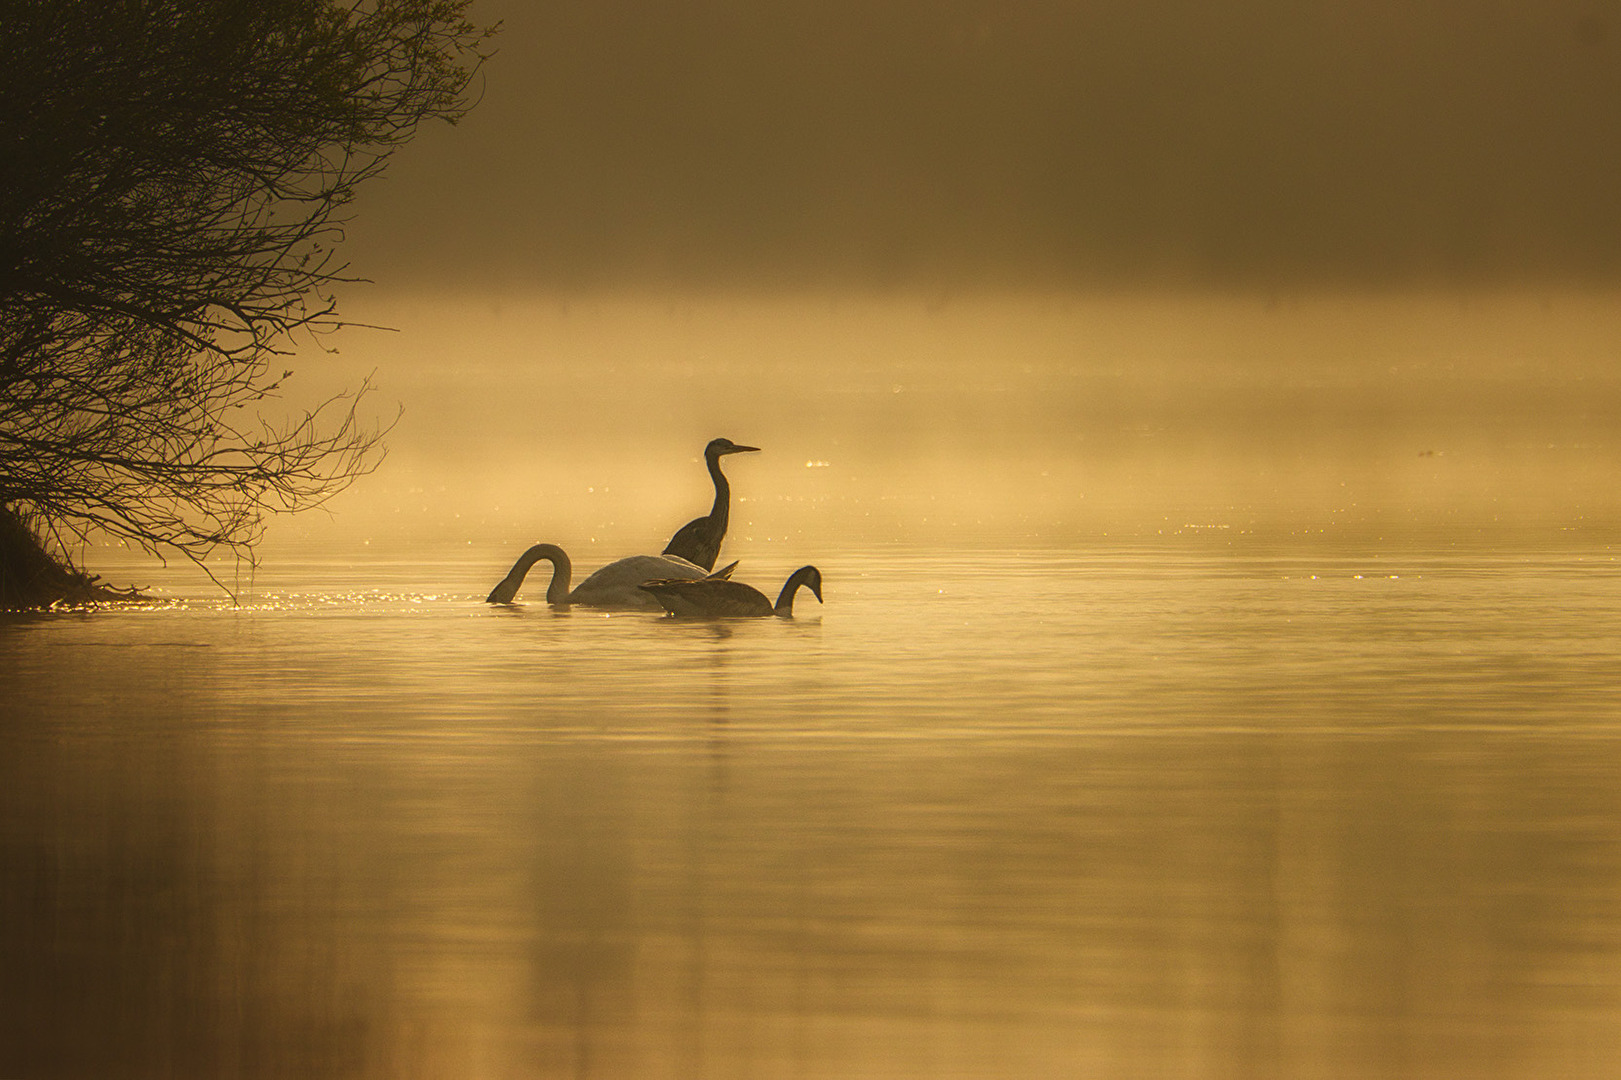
715, 597
699, 540
614, 586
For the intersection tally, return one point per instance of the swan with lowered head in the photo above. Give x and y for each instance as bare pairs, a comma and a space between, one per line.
699, 540
714, 597
614, 586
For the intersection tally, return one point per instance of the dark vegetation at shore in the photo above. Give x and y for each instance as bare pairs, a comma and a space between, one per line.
30, 577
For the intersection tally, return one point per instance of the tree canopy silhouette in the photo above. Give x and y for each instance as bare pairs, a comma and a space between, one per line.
174, 179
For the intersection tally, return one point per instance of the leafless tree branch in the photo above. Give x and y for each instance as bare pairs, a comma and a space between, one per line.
174, 180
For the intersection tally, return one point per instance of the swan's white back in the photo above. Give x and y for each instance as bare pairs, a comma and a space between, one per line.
616, 585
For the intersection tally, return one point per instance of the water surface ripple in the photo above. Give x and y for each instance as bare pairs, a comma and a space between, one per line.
1154, 811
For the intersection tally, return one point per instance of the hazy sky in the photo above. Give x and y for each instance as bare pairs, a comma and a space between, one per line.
993, 142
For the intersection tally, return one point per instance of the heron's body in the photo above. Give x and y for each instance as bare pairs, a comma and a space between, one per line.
615, 586
714, 597
699, 540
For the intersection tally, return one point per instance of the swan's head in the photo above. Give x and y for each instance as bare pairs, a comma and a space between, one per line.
722, 447
810, 578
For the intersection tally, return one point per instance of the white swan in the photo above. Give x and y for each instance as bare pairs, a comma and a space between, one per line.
615, 586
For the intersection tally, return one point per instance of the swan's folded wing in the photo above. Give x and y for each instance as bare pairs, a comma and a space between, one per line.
709, 597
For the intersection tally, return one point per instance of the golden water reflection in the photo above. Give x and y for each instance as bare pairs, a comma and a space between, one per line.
1427, 904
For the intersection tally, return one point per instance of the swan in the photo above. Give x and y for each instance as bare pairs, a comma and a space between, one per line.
698, 541
614, 586
714, 597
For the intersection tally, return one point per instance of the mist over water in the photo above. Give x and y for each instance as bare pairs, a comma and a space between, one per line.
998, 421
1205, 687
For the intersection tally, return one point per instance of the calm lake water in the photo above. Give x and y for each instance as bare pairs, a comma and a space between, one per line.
1204, 689
1168, 809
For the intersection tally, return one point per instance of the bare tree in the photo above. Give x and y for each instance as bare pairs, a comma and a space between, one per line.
174, 179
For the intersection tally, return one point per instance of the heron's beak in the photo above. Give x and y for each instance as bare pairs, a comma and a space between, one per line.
740, 449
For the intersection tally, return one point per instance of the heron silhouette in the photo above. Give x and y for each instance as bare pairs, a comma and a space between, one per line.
614, 586
715, 597
699, 540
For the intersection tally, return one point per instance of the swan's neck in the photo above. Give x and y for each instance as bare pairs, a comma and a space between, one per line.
785, 599
557, 591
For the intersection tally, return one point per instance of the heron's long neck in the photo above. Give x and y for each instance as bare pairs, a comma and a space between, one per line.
723, 494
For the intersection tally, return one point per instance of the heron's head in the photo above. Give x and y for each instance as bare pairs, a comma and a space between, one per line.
722, 447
